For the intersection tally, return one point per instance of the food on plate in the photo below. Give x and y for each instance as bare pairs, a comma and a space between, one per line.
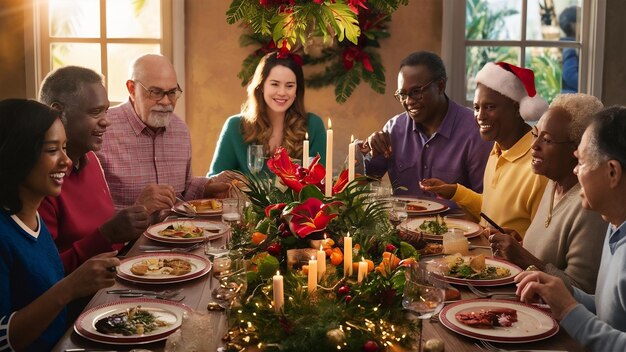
415, 206
488, 319
206, 205
160, 266
432, 249
134, 321
182, 231
452, 294
434, 227
474, 268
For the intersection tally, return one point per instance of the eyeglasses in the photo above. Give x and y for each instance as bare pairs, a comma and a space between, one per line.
545, 140
157, 94
415, 93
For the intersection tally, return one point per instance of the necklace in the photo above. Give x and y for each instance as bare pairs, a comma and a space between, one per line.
549, 217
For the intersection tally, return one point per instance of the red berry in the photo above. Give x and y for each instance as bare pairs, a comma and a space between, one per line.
370, 346
274, 249
343, 290
347, 298
390, 248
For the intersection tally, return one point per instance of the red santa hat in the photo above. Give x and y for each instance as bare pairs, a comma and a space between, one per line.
516, 83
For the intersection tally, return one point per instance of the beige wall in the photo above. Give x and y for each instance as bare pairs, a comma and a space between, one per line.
214, 92
12, 60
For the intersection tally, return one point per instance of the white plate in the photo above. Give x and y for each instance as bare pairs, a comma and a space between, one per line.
153, 231
171, 312
514, 269
427, 206
470, 229
199, 267
532, 323
180, 209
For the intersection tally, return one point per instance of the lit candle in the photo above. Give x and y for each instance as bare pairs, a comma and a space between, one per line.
312, 278
347, 255
329, 160
362, 270
351, 159
279, 295
321, 263
305, 151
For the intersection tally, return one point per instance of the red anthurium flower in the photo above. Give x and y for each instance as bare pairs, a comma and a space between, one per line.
274, 209
354, 5
352, 54
292, 175
315, 173
341, 183
310, 216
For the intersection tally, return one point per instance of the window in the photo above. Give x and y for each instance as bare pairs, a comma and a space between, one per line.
560, 40
104, 35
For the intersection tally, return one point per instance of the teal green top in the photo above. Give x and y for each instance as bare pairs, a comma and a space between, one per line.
231, 152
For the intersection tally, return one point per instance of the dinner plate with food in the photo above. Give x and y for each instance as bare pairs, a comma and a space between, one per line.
163, 268
422, 206
476, 270
186, 231
199, 207
433, 228
131, 321
498, 320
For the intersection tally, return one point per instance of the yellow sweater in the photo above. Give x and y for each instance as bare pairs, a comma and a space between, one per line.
511, 190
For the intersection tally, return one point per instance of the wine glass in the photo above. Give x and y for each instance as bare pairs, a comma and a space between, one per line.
423, 293
256, 157
230, 271
397, 213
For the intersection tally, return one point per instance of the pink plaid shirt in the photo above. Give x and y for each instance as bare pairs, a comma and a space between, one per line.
134, 156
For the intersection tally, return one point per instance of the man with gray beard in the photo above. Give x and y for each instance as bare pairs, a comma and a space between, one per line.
147, 145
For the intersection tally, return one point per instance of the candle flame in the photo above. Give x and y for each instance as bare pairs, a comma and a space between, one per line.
330, 125
348, 235
362, 259
321, 247
277, 272
306, 135
351, 138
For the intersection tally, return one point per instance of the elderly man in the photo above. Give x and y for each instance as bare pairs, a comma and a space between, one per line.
434, 137
148, 145
598, 322
82, 220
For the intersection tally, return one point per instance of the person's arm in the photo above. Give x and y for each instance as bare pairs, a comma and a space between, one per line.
225, 157
377, 166
469, 200
591, 332
317, 137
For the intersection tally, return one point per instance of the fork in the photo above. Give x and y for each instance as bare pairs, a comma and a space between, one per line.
190, 209
152, 249
164, 293
139, 295
484, 294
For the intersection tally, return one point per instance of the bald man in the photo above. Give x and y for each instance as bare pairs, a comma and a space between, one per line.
146, 153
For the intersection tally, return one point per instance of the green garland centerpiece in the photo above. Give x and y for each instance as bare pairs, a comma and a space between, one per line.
342, 314
308, 28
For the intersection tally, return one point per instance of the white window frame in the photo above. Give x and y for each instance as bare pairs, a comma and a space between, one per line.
37, 52
591, 48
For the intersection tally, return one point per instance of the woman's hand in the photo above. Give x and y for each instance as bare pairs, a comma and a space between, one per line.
96, 273
507, 246
435, 185
535, 285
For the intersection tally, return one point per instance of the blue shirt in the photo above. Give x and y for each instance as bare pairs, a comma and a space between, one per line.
455, 153
29, 266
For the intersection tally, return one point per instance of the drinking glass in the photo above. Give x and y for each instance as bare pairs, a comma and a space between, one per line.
397, 213
256, 157
230, 211
423, 292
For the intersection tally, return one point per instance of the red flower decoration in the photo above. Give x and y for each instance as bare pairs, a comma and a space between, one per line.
310, 216
355, 4
352, 54
341, 183
274, 209
293, 175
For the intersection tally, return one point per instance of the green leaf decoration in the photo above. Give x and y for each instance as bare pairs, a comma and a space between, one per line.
345, 85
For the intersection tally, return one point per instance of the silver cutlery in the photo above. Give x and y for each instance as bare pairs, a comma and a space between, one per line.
152, 249
140, 295
485, 294
188, 207
164, 293
489, 347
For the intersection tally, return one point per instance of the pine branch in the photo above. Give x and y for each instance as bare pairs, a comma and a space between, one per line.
345, 84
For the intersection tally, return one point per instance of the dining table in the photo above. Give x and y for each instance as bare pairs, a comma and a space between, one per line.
197, 294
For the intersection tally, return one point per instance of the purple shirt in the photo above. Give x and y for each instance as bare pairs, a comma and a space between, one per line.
454, 154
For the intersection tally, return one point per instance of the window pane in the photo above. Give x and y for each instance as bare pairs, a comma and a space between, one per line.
477, 56
493, 19
548, 65
86, 55
75, 19
133, 19
119, 58
559, 22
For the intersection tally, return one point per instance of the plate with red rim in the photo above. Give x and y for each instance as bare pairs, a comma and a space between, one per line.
470, 229
200, 266
212, 230
170, 312
532, 323
514, 270
423, 206
202, 207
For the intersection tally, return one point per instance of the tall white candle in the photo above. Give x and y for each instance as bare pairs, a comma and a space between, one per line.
321, 263
351, 159
347, 255
305, 151
362, 270
329, 160
278, 291
312, 278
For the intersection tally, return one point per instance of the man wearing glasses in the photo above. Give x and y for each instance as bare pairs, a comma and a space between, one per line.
147, 145
434, 137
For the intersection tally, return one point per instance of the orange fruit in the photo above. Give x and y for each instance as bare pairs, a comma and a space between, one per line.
258, 237
407, 261
370, 265
336, 258
305, 270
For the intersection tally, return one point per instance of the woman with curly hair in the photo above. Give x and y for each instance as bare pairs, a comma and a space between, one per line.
272, 116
